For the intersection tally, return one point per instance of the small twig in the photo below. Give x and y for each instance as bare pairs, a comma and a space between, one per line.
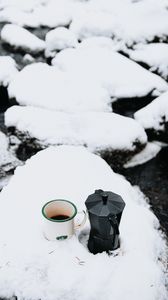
80, 262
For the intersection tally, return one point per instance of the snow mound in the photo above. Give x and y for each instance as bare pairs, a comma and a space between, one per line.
155, 114
59, 39
155, 55
132, 22
40, 13
21, 38
8, 70
34, 268
42, 85
148, 153
121, 77
98, 131
8, 161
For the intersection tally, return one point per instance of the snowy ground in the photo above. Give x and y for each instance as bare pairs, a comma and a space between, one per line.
35, 268
76, 67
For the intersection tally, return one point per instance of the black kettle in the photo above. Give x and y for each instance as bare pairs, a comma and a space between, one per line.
105, 211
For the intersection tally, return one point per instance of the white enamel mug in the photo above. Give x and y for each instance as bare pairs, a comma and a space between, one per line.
58, 218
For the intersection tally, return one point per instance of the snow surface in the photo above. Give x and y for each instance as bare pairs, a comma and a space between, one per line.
42, 85
155, 55
121, 77
51, 13
21, 38
34, 268
98, 131
155, 114
83, 79
130, 21
59, 39
148, 153
8, 70
7, 160
133, 22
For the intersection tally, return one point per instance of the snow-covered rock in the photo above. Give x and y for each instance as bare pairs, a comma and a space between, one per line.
154, 117
100, 132
148, 153
8, 70
42, 85
154, 55
8, 162
132, 22
121, 77
50, 13
102, 41
20, 38
59, 39
34, 268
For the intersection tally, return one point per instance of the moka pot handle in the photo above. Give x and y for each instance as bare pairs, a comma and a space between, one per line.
114, 223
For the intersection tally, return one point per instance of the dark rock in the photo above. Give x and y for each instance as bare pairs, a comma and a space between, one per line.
152, 178
117, 158
128, 106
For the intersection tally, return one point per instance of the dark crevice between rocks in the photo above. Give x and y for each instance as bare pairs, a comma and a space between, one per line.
117, 158
28, 147
158, 135
152, 178
128, 106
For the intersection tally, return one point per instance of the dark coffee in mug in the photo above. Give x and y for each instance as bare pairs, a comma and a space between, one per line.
59, 217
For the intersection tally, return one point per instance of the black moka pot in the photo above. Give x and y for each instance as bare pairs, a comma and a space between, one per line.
104, 210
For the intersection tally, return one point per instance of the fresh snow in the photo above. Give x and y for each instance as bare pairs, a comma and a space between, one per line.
155, 114
51, 13
98, 131
59, 39
42, 85
21, 38
8, 70
34, 268
148, 153
121, 77
132, 22
155, 55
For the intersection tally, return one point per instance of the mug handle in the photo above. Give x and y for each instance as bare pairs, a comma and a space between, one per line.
78, 226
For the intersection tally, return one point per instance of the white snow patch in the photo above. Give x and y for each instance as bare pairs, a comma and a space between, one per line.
51, 13
34, 268
59, 39
27, 58
155, 55
21, 38
8, 70
155, 114
42, 85
131, 22
121, 77
149, 152
98, 131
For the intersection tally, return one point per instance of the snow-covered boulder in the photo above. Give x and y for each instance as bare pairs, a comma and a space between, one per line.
20, 38
154, 55
50, 13
154, 118
130, 21
113, 136
34, 268
8, 70
59, 39
121, 77
42, 85
8, 162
